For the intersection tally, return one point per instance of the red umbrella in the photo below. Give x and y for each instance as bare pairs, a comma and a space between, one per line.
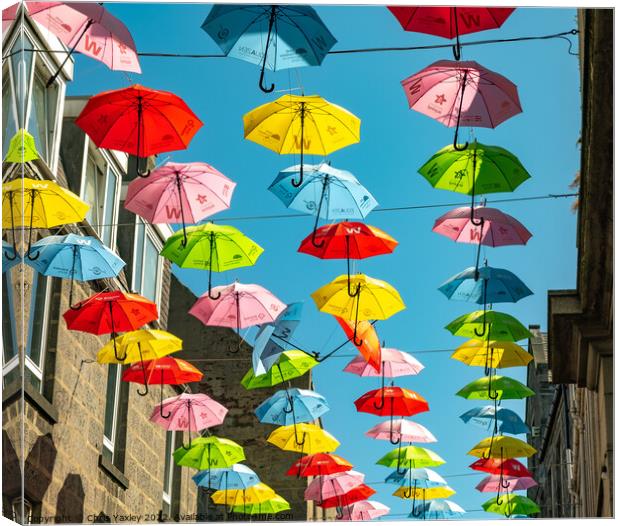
110, 313
450, 22
319, 464
361, 492
166, 370
497, 466
139, 121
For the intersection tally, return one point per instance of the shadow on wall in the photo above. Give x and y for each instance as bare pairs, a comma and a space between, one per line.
11, 472
39, 467
70, 502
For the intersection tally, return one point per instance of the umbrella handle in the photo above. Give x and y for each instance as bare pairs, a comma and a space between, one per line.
161, 398
144, 175
339, 512
178, 181
189, 426
302, 116
458, 117
211, 248
6, 254
146, 381
456, 49
357, 309
33, 194
272, 19
496, 394
118, 358
289, 400
303, 440
382, 403
357, 290
237, 348
318, 211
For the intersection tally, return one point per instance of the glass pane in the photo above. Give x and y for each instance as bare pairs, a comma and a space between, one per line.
21, 64
151, 265
8, 117
37, 319
8, 320
110, 404
37, 123
91, 194
138, 258
108, 217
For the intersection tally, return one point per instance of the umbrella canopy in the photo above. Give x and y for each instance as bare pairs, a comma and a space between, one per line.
237, 476
290, 364
291, 406
273, 505
89, 29
393, 363
209, 453
493, 324
274, 37
140, 345
492, 354
438, 492
327, 486
364, 510
485, 285
437, 509
462, 93
139, 121
166, 370
401, 430
503, 387
507, 467
361, 492
189, 412
364, 336
259, 492
426, 478
313, 439
411, 457
180, 193
391, 401
510, 505
501, 447
22, 147
319, 464
493, 483
509, 421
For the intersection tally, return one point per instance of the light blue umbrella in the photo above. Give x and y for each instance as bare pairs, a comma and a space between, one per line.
487, 285
271, 339
511, 422
9, 257
325, 192
426, 478
237, 476
271, 36
292, 406
437, 509
74, 257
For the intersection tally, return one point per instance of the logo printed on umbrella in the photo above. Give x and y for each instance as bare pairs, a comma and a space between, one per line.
173, 212
223, 33
122, 48
96, 271
202, 199
440, 99
469, 19
332, 130
91, 45
297, 140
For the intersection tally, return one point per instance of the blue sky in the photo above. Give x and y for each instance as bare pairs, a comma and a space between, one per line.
395, 143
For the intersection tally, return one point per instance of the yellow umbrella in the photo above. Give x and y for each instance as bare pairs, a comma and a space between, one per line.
438, 492
140, 345
301, 124
313, 439
253, 495
501, 447
39, 204
492, 354
372, 299
22, 148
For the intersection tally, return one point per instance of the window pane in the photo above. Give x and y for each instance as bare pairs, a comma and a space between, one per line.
37, 319
111, 402
93, 188
138, 258
21, 64
151, 265
108, 216
8, 118
8, 319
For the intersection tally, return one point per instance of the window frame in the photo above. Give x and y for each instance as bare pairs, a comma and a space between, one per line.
107, 443
38, 369
13, 362
168, 492
149, 233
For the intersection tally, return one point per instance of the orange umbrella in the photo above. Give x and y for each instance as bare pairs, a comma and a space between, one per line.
368, 345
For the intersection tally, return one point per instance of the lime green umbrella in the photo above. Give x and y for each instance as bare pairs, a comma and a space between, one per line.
411, 457
290, 364
489, 324
209, 452
273, 505
511, 505
495, 387
22, 148
213, 247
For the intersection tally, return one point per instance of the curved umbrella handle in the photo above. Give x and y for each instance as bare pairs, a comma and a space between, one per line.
318, 211
161, 398
33, 194
262, 78
339, 512
6, 254
494, 396
356, 342
237, 348
303, 440
302, 116
272, 19
382, 403
456, 48
144, 175
189, 426
211, 249
458, 117
289, 402
146, 381
484, 323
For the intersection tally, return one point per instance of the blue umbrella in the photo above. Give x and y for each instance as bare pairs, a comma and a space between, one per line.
9, 258
437, 509
273, 36
425, 477
75, 257
511, 422
237, 476
272, 338
291, 407
325, 192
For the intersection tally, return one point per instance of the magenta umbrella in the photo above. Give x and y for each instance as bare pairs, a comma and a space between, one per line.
189, 412
393, 363
405, 430
90, 29
459, 93
328, 486
364, 510
180, 192
493, 483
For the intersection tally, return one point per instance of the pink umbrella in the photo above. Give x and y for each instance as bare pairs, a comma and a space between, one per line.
405, 430
187, 192
187, 412
90, 29
493, 483
364, 510
462, 92
393, 363
238, 305
328, 486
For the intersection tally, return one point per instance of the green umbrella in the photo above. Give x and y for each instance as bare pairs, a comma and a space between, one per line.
490, 324
478, 169
214, 247
22, 148
274, 505
410, 457
290, 364
209, 452
504, 388
511, 505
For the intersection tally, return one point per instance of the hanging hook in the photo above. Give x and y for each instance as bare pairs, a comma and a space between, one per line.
302, 117
144, 175
161, 398
189, 426
6, 254
458, 116
272, 19
146, 380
